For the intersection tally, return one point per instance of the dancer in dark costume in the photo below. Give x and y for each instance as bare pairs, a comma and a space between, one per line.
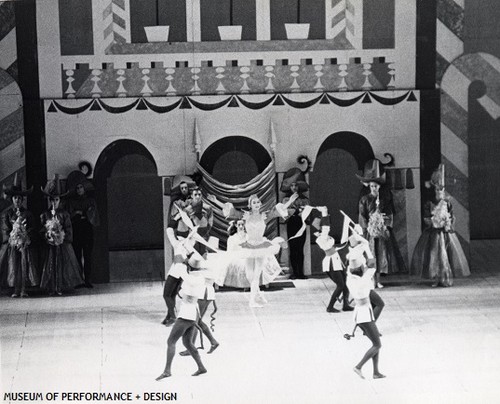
84, 217
376, 212
294, 182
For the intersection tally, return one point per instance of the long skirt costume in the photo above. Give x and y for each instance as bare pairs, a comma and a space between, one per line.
438, 254
61, 269
17, 263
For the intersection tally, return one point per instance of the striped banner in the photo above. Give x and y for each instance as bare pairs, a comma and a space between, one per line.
455, 84
449, 34
115, 18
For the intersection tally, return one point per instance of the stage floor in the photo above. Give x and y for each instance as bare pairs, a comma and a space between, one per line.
439, 345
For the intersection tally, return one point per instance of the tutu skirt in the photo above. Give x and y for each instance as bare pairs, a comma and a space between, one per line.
237, 268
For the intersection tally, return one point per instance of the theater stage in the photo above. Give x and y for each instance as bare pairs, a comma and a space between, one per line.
439, 345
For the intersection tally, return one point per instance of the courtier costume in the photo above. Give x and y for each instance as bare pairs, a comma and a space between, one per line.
438, 254
61, 269
17, 258
376, 218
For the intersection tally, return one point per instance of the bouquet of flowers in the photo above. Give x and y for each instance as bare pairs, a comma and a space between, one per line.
441, 218
54, 231
18, 237
376, 225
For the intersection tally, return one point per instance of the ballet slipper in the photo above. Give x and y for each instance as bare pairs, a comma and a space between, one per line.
185, 353
213, 347
199, 372
358, 372
163, 376
378, 376
261, 299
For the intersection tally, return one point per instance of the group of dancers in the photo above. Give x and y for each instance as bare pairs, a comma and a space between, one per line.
250, 259
53, 253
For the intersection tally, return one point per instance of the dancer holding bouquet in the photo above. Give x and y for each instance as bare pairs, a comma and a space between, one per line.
61, 269
438, 254
17, 262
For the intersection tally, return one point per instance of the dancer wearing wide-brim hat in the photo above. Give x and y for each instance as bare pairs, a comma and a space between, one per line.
61, 270
376, 211
438, 254
17, 256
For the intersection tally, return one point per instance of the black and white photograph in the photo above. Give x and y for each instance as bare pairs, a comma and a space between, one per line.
244, 201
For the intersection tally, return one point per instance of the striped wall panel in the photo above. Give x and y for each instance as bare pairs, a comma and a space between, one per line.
11, 127
12, 157
449, 34
8, 53
354, 23
336, 19
344, 21
115, 19
455, 83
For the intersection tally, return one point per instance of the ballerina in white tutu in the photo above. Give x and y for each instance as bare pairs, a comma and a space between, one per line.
235, 272
257, 251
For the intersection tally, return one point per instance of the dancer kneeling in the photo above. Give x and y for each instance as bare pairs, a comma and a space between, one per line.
360, 283
185, 325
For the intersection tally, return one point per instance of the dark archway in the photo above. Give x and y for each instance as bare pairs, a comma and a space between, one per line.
333, 182
235, 159
125, 173
484, 166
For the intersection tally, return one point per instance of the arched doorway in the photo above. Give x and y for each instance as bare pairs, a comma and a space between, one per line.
333, 182
238, 160
235, 159
129, 242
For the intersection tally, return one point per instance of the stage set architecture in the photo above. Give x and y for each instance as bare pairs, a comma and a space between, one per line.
401, 81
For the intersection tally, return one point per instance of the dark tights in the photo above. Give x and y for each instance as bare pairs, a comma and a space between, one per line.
170, 289
339, 278
203, 306
377, 304
187, 330
371, 331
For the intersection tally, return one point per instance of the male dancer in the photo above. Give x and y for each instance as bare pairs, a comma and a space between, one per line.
201, 216
180, 199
